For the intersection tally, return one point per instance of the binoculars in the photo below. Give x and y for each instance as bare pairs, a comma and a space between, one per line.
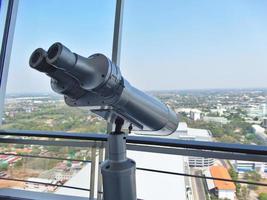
96, 82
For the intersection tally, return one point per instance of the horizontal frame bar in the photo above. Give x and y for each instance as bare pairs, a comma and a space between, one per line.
207, 148
197, 153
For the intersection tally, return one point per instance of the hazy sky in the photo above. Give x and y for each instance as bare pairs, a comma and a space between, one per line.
167, 44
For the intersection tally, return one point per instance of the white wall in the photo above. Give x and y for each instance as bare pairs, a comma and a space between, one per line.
229, 194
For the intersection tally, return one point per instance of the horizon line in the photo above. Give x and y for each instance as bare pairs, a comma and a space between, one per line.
154, 90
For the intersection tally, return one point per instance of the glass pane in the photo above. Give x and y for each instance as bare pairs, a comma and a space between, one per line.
175, 176
86, 27
186, 178
205, 59
45, 168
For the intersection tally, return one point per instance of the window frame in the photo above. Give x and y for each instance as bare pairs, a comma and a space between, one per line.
8, 13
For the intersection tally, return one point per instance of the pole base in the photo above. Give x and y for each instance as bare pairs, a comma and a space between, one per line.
119, 180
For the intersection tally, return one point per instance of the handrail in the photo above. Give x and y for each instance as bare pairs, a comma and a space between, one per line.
165, 142
150, 142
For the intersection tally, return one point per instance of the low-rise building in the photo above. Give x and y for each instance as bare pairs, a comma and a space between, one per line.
185, 133
221, 120
40, 185
195, 114
221, 189
259, 132
249, 166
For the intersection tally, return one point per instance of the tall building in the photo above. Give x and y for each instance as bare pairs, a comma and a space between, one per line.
264, 109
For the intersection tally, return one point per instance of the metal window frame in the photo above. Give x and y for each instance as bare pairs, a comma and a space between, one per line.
6, 47
146, 144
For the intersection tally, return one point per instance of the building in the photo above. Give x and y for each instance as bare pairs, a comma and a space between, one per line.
185, 133
221, 189
221, 120
257, 111
245, 166
195, 114
259, 132
264, 122
33, 185
182, 129
248, 166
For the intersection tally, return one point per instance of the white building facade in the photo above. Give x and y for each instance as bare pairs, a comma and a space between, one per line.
185, 133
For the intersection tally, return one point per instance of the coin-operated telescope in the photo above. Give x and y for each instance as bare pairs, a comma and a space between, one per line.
96, 82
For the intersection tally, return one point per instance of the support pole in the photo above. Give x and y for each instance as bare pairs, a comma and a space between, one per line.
118, 171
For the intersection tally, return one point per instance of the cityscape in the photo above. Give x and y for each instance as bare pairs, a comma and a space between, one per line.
225, 115
206, 60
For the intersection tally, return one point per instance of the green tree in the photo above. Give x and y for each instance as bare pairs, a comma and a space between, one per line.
263, 196
252, 176
36, 150
18, 163
233, 173
244, 193
213, 197
3, 166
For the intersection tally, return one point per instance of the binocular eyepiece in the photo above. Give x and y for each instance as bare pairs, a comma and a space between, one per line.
96, 81
61, 82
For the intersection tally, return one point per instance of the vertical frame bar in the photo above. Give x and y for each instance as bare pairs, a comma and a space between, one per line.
117, 35
116, 53
100, 182
93, 172
6, 48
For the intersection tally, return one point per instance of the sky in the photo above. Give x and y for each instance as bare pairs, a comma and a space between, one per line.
166, 44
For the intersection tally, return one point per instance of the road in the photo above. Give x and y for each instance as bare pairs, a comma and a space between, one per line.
197, 186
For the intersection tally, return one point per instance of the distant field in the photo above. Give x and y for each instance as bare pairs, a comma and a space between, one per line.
51, 117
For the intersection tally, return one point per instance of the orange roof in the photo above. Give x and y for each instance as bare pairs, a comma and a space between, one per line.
221, 172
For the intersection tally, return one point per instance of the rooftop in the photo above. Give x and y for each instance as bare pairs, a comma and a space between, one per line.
183, 132
221, 172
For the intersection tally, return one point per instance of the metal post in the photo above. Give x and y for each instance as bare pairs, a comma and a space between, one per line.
7, 40
100, 182
118, 171
93, 170
116, 49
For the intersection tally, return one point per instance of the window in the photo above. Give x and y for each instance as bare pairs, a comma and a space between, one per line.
86, 28
206, 59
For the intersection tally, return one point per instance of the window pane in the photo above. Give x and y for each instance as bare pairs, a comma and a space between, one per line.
86, 27
3, 16
206, 59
